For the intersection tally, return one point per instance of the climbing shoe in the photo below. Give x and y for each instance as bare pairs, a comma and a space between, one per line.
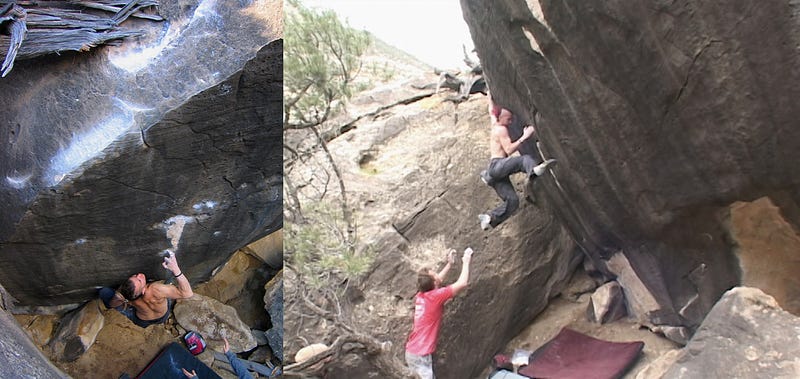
486, 178
541, 168
485, 221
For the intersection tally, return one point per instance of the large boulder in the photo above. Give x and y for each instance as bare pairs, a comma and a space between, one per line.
268, 249
661, 117
767, 248
39, 327
170, 141
746, 335
240, 284
77, 332
19, 355
214, 321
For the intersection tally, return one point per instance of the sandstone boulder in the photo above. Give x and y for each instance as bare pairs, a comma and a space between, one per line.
269, 249
607, 304
214, 320
768, 250
77, 332
746, 335
518, 266
240, 284
39, 327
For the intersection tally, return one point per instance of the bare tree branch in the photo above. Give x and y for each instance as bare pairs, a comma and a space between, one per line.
351, 342
348, 217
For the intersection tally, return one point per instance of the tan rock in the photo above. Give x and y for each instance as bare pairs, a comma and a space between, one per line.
38, 327
214, 320
239, 284
641, 301
229, 282
746, 335
120, 347
607, 303
77, 332
659, 366
207, 356
309, 351
268, 249
767, 246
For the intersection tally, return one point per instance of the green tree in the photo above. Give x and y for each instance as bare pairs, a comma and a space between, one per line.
322, 57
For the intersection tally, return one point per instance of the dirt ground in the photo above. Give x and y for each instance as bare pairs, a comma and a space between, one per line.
563, 312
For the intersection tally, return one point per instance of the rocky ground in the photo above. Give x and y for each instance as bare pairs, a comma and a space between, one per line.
569, 310
232, 304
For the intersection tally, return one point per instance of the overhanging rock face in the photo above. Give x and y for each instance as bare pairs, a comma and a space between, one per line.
174, 142
661, 116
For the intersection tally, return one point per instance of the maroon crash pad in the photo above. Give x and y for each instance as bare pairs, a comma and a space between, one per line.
575, 355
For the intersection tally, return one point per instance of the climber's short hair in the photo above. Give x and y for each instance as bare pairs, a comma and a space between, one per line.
128, 290
425, 280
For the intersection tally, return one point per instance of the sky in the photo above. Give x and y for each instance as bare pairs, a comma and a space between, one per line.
431, 30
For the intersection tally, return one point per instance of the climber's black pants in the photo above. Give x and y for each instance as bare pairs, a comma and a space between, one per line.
499, 170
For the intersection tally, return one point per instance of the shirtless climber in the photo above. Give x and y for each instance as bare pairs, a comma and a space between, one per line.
501, 166
148, 303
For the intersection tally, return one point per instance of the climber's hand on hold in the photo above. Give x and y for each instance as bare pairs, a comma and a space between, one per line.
171, 263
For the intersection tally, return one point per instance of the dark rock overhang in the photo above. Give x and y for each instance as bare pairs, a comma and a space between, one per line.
110, 150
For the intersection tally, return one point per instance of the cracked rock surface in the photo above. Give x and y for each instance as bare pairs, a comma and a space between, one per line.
170, 142
662, 116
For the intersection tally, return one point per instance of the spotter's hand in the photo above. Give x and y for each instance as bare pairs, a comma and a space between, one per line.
451, 256
467, 255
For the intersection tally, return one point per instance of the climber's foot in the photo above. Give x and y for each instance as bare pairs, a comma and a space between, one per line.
541, 168
485, 221
486, 178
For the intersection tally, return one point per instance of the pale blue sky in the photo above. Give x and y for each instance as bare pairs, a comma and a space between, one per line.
432, 30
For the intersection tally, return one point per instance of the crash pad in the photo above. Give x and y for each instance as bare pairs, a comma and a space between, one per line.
169, 362
571, 354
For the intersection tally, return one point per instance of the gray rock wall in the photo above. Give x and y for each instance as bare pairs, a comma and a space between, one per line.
661, 115
172, 141
19, 355
746, 335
